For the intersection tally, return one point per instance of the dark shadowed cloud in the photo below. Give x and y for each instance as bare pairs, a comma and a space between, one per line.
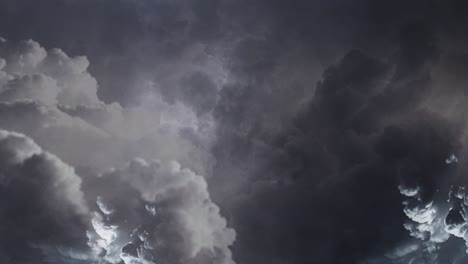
327, 131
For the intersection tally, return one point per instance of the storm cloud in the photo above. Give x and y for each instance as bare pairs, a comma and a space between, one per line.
52, 214
221, 131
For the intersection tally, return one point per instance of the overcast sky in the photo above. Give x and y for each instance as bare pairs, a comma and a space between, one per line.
233, 131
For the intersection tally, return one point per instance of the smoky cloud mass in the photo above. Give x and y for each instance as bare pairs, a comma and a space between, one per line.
233, 131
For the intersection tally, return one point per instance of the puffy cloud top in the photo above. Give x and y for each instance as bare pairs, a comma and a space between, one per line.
53, 98
42, 204
167, 209
138, 213
30, 72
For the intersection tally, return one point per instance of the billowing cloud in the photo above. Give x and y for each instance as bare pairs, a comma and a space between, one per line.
327, 182
42, 206
166, 215
440, 222
313, 121
143, 212
53, 98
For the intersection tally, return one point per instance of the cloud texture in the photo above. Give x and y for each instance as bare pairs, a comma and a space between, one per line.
143, 212
327, 131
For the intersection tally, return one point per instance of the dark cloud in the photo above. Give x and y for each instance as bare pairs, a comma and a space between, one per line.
313, 120
143, 213
42, 202
328, 190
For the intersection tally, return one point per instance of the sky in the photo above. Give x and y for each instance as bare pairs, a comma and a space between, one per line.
233, 132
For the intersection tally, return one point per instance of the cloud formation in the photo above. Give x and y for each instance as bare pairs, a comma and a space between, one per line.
142, 212
42, 202
53, 98
166, 214
313, 121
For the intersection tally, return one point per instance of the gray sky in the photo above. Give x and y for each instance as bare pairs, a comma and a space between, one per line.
258, 131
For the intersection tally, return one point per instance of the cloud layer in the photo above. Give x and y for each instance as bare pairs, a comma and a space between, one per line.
108, 212
323, 127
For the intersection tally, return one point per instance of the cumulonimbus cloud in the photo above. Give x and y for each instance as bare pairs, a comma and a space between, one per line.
138, 212
53, 98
